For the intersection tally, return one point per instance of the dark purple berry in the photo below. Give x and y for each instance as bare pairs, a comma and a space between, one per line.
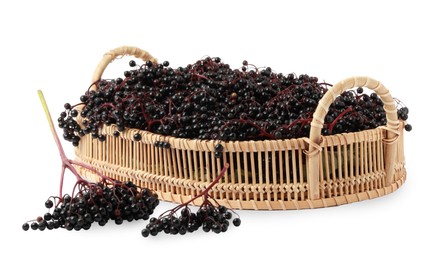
48, 204
145, 232
137, 137
25, 226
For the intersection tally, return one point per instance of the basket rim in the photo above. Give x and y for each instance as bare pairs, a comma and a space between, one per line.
300, 143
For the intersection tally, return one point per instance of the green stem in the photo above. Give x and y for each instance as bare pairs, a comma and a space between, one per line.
64, 160
51, 126
67, 163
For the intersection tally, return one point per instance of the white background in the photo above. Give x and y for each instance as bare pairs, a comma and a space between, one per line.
55, 46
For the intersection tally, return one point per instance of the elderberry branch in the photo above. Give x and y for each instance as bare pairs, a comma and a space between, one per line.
91, 202
209, 217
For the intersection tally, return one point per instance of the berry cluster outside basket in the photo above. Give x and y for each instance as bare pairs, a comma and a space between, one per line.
314, 172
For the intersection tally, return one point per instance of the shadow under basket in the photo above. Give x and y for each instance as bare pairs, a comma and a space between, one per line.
319, 171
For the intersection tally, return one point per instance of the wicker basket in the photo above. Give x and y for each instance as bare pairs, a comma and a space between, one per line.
314, 172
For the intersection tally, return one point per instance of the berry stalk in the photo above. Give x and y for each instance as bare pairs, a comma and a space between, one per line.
210, 217
331, 126
91, 202
67, 163
64, 161
204, 193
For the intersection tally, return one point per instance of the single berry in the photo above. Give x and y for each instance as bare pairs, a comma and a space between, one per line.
222, 209
216, 228
278, 135
145, 232
47, 216
408, 127
153, 231
236, 222
25, 226
218, 154
132, 63
34, 226
182, 230
42, 225
137, 137
74, 113
218, 148
84, 98
48, 204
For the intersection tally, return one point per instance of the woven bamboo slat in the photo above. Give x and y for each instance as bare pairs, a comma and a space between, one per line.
314, 172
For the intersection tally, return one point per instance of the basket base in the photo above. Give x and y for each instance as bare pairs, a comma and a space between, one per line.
294, 204
280, 204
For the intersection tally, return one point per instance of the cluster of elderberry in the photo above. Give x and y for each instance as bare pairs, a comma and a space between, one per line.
96, 203
403, 114
210, 100
180, 220
209, 217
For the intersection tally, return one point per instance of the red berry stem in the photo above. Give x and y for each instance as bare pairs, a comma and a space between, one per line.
262, 133
347, 110
65, 162
91, 202
209, 216
288, 91
203, 193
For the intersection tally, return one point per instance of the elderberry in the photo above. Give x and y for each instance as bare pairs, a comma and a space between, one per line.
137, 137
48, 204
98, 203
219, 148
210, 100
25, 226
208, 217
181, 220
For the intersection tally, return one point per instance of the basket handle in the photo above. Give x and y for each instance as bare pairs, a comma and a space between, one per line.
116, 53
318, 121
